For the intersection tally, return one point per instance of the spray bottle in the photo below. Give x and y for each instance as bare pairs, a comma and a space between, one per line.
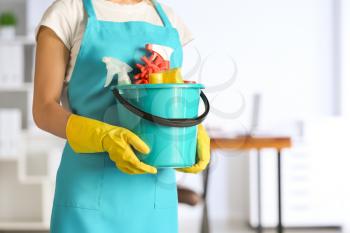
117, 67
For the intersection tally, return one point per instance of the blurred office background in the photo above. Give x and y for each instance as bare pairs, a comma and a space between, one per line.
272, 69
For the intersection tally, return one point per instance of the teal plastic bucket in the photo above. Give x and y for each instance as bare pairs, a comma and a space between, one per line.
165, 117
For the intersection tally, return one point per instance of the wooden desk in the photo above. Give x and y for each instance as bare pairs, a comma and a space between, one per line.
250, 143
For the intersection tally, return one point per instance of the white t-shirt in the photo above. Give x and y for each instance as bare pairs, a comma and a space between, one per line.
67, 18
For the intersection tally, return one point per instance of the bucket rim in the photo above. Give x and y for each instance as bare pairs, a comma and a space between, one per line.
158, 86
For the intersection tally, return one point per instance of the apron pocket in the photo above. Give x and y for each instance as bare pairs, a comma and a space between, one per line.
79, 180
166, 189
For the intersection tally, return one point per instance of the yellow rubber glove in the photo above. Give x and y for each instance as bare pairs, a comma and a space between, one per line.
86, 135
203, 152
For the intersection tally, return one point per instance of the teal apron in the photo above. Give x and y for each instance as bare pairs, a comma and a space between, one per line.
92, 195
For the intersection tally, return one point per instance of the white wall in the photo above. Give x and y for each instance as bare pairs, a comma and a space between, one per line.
35, 10
283, 49
344, 40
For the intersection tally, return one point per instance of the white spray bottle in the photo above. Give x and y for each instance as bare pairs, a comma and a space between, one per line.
115, 66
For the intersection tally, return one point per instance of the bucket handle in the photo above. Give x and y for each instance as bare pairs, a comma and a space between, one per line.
178, 122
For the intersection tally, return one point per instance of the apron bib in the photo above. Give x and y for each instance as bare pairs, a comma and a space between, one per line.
92, 195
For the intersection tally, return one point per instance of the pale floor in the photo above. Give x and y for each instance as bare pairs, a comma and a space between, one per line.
246, 230
224, 228
242, 228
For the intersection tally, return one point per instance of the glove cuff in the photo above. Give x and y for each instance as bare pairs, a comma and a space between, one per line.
85, 135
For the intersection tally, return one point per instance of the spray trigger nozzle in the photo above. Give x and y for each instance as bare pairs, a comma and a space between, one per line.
115, 66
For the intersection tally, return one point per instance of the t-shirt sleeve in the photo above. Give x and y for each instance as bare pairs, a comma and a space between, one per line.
59, 17
186, 35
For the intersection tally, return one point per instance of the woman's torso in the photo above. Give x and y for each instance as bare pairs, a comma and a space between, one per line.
71, 22
91, 194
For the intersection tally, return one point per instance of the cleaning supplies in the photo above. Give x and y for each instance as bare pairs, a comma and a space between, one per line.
168, 76
164, 113
155, 70
161, 51
116, 66
158, 61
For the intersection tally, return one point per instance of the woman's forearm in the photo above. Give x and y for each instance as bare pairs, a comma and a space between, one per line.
52, 58
51, 117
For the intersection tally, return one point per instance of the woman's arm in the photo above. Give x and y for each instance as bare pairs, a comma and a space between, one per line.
50, 67
84, 135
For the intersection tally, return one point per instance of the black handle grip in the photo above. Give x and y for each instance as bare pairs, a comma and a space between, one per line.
182, 122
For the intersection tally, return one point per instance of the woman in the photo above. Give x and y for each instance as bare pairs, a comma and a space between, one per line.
101, 185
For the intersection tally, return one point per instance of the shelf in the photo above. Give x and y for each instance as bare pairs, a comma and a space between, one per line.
22, 87
8, 158
24, 40
26, 177
35, 180
24, 226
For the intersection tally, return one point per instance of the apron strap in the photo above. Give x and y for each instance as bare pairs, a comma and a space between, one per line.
162, 14
89, 8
